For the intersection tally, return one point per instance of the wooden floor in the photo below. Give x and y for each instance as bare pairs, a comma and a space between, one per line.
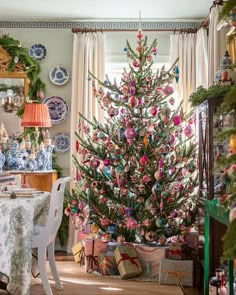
76, 281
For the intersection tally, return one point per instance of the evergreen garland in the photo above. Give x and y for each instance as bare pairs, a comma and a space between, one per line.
227, 9
203, 94
32, 67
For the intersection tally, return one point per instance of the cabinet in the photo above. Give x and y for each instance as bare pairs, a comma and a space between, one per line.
41, 180
211, 185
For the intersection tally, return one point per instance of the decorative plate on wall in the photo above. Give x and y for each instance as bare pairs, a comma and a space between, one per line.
59, 75
37, 51
58, 108
61, 142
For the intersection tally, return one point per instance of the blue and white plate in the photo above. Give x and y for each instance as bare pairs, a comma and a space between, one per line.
58, 108
37, 51
61, 143
59, 75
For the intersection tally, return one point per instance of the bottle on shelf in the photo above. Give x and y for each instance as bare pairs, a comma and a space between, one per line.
215, 282
223, 290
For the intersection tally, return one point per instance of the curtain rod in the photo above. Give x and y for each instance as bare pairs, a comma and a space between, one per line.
205, 22
85, 30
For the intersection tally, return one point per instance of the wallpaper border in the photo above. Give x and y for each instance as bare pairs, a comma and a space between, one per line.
105, 25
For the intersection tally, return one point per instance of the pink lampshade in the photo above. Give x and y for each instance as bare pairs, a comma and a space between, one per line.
36, 115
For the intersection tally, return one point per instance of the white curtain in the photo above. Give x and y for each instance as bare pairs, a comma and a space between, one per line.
202, 58
217, 44
184, 46
88, 55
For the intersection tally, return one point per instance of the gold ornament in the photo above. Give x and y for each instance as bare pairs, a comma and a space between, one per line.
145, 140
94, 228
232, 143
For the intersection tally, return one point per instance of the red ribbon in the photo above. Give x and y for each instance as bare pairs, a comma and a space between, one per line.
125, 256
175, 252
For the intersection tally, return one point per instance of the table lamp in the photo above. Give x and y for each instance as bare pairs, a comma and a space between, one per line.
36, 115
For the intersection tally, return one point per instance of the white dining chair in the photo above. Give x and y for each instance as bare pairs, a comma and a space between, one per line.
44, 237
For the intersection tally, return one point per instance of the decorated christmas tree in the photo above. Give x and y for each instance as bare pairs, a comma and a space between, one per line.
136, 173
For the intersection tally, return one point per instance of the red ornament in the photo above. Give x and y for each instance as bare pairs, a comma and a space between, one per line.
133, 101
77, 146
144, 160
140, 35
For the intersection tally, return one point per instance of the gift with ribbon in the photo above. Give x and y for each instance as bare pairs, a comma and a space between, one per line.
78, 253
150, 258
107, 264
127, 260
177, 250
176, 272
92, 249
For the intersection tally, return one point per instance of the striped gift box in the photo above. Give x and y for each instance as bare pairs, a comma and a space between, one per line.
150, 258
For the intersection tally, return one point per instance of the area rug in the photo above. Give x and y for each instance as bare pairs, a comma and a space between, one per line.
78, 282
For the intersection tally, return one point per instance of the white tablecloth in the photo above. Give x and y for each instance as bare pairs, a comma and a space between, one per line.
17, 217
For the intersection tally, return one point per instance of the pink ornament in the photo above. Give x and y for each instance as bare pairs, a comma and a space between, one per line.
188, 131
146, 178
135, 64
74, 202
105, 221
168, 90
177, 120
131, 222
94, 163
154, 111
154, 50
106, 162
144, 160
130, 134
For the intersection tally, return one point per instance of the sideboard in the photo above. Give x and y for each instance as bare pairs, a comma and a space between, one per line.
41, 180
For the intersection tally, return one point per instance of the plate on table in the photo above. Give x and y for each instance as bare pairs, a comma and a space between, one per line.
37, 51
61, 143
59, 75
58, 108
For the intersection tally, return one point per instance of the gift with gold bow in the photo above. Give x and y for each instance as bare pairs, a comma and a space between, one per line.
176, 272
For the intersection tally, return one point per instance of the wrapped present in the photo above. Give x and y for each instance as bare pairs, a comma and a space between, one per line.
107, 264
176, 272
150, 258
127, 260
177, 250
78, 253
92, 249
81, 236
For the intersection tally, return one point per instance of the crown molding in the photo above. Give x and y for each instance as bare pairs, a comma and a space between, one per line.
102, 25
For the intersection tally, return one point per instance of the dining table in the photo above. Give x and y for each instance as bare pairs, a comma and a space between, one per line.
18, 216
